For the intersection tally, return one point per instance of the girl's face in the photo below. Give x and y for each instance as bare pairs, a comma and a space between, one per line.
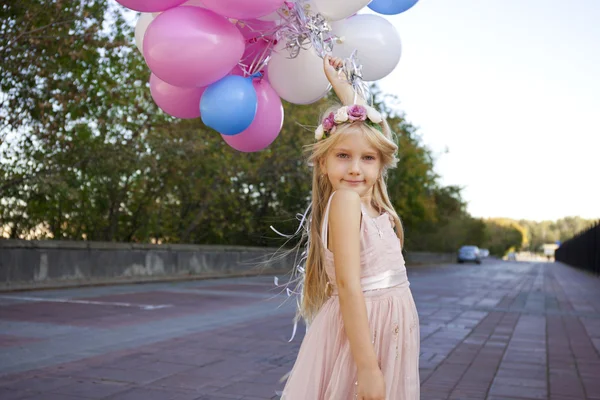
352, 163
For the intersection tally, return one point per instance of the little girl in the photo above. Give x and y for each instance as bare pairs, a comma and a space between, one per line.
363, 340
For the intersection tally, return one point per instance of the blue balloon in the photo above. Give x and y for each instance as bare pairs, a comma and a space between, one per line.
229, 105
391, 7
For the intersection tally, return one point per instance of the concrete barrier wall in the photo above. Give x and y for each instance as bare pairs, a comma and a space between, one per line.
422, 257
43, 264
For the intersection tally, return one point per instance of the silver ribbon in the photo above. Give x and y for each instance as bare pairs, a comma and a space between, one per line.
298, 273
352, 69
302, 28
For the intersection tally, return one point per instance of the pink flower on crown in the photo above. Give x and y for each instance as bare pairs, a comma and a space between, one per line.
329, 122
357, 113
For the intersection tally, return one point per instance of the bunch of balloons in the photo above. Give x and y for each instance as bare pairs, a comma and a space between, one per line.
230, 62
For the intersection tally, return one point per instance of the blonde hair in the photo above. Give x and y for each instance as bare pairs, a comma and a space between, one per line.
315, 289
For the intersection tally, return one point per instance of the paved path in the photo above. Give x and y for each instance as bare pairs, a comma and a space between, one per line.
497, 331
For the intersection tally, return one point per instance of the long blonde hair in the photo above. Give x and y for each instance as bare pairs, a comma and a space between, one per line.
315, 289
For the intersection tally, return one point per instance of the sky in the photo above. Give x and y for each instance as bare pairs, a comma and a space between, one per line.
511, 89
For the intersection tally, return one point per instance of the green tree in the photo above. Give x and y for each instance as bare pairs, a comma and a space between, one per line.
86, 154
539, 233
75, 111
503, 235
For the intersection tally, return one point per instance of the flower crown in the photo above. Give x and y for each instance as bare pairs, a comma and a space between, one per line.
353, 113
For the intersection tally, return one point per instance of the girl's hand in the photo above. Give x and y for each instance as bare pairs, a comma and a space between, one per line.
371, 385
332, 66
342, 88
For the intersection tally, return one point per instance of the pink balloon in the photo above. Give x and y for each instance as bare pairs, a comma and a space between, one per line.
266, 125
191, 46
179, 102
255, 51
195, 3
150, 5
243, 9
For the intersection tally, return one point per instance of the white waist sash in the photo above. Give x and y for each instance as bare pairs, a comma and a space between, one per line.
384, 280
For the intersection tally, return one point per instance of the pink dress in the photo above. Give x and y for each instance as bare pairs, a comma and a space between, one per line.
325, 369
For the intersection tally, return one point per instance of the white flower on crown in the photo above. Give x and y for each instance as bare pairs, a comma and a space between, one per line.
374, 115
319, 132
341, 115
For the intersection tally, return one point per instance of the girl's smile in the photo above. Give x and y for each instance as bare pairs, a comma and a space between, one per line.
353, 183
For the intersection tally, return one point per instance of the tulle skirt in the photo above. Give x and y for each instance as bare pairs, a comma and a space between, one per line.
325, 369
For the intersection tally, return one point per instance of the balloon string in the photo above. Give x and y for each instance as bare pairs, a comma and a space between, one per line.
302, 28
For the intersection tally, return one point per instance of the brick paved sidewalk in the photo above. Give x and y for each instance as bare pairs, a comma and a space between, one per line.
512, 332
495, 331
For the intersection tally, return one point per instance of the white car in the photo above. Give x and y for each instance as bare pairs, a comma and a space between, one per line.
469, 254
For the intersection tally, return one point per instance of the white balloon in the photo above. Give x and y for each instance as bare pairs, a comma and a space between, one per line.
376, 40
140, 29
335, 10
299, 80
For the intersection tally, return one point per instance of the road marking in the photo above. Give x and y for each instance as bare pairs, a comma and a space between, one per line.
98, 303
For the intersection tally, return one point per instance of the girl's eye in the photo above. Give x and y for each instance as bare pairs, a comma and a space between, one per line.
369, 158
342, 155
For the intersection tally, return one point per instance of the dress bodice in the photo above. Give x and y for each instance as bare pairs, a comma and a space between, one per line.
381, 261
